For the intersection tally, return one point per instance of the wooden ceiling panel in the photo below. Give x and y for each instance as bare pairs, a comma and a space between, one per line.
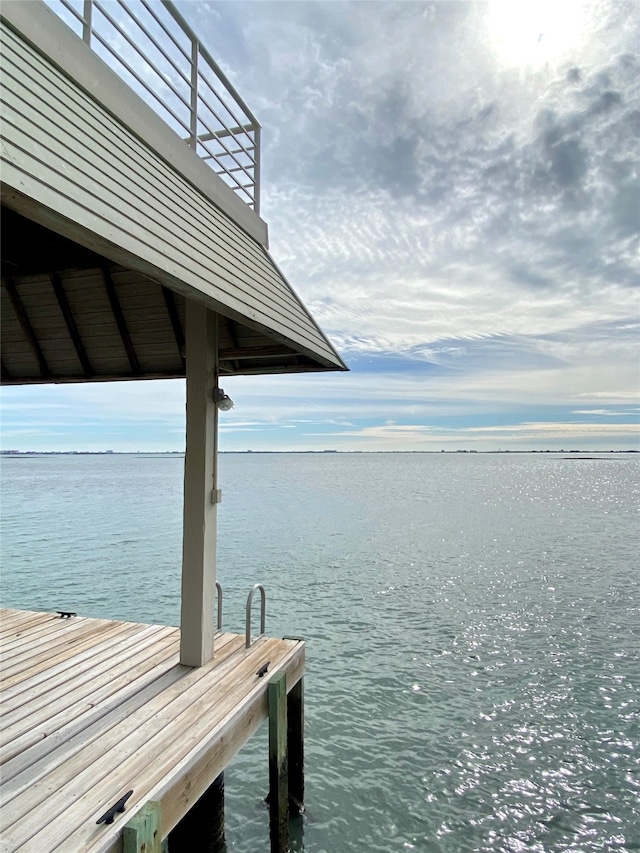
70, 315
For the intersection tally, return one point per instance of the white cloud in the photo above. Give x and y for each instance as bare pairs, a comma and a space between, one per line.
462, 224
523, 436
612, 413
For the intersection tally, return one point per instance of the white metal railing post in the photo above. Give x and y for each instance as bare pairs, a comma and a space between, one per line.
193, 123
86, 22
256, 169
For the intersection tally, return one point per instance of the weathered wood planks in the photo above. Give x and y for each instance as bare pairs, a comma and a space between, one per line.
115, 711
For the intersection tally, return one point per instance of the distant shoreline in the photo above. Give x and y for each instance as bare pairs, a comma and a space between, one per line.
13, 454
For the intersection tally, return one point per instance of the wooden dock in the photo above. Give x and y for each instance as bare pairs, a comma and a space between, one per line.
93, 708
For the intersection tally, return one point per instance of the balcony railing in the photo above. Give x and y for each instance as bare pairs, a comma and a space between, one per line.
153, 49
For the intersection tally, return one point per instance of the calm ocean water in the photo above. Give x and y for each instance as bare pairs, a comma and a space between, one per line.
473, 629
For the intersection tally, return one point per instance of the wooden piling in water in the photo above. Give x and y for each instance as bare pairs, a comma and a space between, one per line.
295, 747
278, 769
201, 830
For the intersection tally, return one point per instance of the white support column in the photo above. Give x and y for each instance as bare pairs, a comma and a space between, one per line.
197, 620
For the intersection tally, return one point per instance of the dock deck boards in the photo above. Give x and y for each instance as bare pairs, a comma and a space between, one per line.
92, 708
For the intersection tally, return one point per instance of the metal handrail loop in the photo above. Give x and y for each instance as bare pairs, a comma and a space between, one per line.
219, 600
263, 604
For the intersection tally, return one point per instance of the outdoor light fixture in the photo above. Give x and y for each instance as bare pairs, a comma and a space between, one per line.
223, 401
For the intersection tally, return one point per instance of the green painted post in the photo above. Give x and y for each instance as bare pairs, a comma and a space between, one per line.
142, 833
278, 770
295, 746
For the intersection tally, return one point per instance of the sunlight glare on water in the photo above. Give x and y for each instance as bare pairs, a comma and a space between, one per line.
473, 660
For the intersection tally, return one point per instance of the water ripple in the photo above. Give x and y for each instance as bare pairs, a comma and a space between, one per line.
473, 662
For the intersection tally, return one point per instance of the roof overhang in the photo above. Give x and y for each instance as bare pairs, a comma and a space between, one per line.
110, 222
70, 314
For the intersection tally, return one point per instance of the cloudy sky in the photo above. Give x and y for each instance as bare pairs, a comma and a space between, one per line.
453, 190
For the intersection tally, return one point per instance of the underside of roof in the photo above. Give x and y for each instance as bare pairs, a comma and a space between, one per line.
71, 315
110, 223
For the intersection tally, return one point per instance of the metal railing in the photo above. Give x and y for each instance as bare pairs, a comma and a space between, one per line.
152, 48
219, 597
263, 604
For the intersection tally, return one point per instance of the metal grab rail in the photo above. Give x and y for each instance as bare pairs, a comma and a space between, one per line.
153, 49
219, 601
263, 603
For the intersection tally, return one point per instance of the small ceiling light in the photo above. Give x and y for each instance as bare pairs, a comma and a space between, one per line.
223, 401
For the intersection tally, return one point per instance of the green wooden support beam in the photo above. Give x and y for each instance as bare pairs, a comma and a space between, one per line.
278, 769
142, 833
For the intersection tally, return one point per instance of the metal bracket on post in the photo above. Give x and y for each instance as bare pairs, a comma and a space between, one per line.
263, 603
